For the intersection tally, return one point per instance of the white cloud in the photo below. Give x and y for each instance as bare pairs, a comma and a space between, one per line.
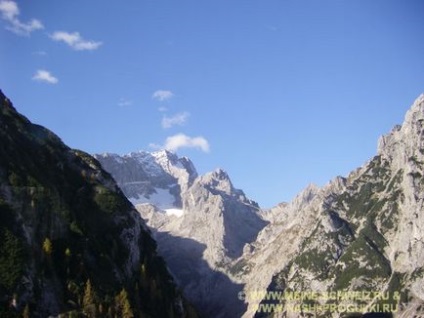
178, 119
75, 41
10, 11
124, 102
162, 109
173, 143
162, 95
45, 76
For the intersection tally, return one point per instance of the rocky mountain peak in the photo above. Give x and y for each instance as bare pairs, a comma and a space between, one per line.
307, 194
218, 180
180, 168
201, 224
405, 141
416, 112
164, 158
151, 177
363, 232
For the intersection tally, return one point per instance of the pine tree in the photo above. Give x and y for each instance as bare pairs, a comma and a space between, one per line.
143, 277
123, 304
26, 313
68, 252
68, 255
47, 246
88, 301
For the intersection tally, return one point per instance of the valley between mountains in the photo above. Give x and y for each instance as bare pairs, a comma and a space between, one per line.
144, 235
360, 233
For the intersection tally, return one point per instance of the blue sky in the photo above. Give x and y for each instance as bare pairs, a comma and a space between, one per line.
278, 93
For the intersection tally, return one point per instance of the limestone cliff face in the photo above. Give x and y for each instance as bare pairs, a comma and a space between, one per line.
201, 229
362, 233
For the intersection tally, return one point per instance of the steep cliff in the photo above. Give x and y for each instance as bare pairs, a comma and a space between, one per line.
70, 241
365, 236
201, 223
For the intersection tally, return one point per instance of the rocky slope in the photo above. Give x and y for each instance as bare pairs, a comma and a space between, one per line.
363, 233
201, 223
70, 241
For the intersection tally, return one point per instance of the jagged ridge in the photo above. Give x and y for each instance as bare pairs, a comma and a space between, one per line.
203, 241
367, 233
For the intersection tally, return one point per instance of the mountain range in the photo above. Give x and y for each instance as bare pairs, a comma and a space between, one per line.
145, 235
358, 235
201, 223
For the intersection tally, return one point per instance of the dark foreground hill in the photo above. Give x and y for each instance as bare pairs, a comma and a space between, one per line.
70, 242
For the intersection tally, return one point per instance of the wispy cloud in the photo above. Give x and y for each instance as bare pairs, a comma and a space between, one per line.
178, 119
162, 109
45, 76
40, 53
75, 41
162, 95
173, 143
124, 102
10, 11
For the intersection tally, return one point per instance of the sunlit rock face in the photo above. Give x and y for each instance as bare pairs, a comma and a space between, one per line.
201, 223
359, 233
363, 232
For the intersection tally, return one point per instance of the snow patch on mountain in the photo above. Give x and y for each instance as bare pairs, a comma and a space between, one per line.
201, 223
175, 212
161, 198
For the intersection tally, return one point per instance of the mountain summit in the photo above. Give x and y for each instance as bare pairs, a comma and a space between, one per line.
157, 177
201, 223
362, 234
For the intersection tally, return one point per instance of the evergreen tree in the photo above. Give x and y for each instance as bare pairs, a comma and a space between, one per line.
47, 246
68, 252
68, 255
11, 259
124, 307
88, 301
26, 313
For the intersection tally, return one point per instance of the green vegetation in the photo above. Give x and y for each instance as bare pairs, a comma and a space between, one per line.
396, 180
123, 307
11, 259
354, 258
88, 301
364, 257
314, 260
62, 228
239, 267
109, 201
361, 198
47, 247
396, 285
415, 160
